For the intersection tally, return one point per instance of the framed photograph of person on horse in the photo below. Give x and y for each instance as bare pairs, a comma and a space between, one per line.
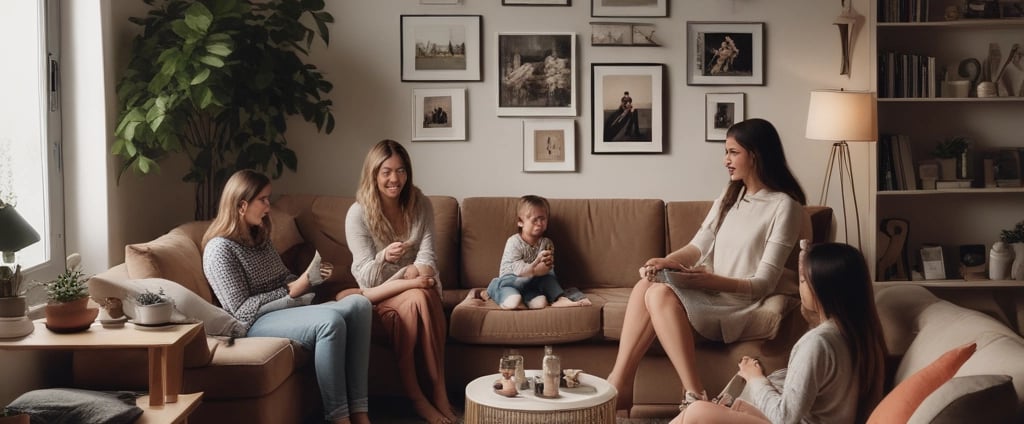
627, 107
441, 47
725, 53
536, 74
438, 114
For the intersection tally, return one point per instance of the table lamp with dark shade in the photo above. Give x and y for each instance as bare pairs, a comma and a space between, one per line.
15, 234
840, 116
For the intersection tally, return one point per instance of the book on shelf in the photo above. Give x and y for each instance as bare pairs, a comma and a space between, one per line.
962, 183
1007, 167
896, 170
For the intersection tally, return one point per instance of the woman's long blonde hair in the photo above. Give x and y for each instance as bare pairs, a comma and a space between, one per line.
369, 196
243, 186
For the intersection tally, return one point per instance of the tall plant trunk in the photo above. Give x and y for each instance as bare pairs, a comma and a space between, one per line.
208, 196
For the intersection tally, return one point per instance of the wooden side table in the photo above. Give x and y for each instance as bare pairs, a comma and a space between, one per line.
592, 402
166, 360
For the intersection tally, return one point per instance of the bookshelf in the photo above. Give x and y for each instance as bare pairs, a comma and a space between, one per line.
946, 217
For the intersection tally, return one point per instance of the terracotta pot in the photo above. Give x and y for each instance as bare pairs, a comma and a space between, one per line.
15, 419
70, 317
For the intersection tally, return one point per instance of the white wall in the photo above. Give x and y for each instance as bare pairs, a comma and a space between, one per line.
371, 103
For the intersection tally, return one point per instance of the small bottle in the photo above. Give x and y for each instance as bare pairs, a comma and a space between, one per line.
999, 260
521, 380
552, 370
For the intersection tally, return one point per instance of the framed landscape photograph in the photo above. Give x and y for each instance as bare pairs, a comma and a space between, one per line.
720, 112
441, 48
536, 74
627, 107
622, 34
536, 2
438, 114
725, 53
549, 145
630, 8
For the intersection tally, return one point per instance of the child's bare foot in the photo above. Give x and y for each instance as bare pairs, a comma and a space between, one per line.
475, 295
564, 302
484, 295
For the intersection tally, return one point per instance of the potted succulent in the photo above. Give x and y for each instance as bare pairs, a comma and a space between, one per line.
67, 308
152, 309
952, 156
1014, 238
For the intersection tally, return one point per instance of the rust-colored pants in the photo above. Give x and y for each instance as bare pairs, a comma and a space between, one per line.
414, 317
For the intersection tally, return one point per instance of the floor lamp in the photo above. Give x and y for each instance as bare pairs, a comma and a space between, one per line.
840, 116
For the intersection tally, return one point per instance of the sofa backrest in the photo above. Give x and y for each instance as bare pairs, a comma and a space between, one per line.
174, 256
303, 223
598, 242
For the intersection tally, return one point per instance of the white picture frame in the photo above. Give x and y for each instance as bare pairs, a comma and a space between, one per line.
537, 74
421, 61
627, 107
549, 145
632, 9
721, 110
725, 53
439, 114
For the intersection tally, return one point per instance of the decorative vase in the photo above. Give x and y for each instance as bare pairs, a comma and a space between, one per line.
999, 261
1017, 269
153, 315
11, 307
947, 168
70, 317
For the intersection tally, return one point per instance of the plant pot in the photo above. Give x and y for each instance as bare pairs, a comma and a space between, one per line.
156, 314
12, 307
15, 419
947, 168
1017, 269
70, 317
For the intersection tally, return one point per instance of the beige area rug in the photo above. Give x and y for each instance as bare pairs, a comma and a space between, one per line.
393, 410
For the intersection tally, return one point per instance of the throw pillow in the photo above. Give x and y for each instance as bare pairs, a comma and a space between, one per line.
972, 398
903, 400
173, 256
187, 304
75, 406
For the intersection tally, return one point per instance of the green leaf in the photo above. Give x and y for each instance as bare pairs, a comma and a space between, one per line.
219, 49
130, 149
154, 125
205, 97
181, 29
129, 130
146, 165
198, 17
213, 61
200, 77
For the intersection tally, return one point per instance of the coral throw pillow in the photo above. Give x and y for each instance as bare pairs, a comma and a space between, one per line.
900, 403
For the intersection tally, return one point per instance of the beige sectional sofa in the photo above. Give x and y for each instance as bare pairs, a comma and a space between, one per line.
599, 244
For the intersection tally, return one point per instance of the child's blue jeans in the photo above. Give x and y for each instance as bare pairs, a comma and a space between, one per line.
529, 287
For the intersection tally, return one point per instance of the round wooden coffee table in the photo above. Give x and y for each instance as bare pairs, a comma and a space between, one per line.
592, 402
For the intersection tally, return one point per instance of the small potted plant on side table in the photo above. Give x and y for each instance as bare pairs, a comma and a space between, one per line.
67, 309
152, 309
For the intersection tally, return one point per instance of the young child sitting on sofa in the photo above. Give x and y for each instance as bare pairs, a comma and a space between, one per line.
527, 270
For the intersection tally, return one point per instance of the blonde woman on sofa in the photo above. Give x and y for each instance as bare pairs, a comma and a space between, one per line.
390, 231
253, 285
720, 277
836, 369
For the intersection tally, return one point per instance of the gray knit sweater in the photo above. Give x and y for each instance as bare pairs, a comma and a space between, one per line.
244, 278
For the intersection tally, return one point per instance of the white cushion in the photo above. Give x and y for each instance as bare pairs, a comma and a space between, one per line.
975, 398
187, 304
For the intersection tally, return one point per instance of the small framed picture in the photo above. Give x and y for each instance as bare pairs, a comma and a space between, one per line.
549, 145
536, 2
622, 34
725, 53
438, 114
629, 8
627, 107
441, 48
721, 110
536, 74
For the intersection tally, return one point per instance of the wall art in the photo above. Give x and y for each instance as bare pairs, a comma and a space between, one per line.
627, 107
549, 145
721, 110
441, 47
438, 114
536, 74
725, 53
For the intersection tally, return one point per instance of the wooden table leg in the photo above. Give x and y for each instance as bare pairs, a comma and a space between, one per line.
157, 369
175, 367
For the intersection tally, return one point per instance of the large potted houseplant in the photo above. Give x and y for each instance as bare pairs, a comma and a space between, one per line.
67, 308
217, 80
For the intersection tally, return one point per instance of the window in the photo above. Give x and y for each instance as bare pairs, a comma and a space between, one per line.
30, 145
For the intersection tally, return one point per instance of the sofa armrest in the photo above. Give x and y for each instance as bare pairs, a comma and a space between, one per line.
898, 310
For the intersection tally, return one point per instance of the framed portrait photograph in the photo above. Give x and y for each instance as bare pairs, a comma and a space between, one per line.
536, 74
438, 114
725, 53
721, 110
441, 48
629, 8
627, 107
536, 2
622, 34
549, 145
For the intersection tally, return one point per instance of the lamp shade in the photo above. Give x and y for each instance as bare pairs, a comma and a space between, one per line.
16, 232
839, 115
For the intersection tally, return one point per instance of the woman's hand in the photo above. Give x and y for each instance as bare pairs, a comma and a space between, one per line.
750, 368
394, 252
326, 269
424, 281
653, 265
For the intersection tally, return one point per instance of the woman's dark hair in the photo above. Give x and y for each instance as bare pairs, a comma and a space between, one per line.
762, 141
839, 278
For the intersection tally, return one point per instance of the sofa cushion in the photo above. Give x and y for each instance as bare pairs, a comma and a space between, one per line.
174, 256
900, 403
76, 406
475, 321
248, 367
187, 304
599, 243
975, 398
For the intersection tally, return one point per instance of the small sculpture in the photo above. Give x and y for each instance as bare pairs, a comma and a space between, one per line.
506, 385
572, 377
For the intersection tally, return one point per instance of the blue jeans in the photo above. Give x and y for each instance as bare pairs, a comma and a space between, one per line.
529, 287
338, 334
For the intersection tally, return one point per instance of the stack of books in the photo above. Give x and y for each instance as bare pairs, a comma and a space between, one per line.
896, 163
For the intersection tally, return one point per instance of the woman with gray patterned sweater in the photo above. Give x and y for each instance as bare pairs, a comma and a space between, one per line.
253, 285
